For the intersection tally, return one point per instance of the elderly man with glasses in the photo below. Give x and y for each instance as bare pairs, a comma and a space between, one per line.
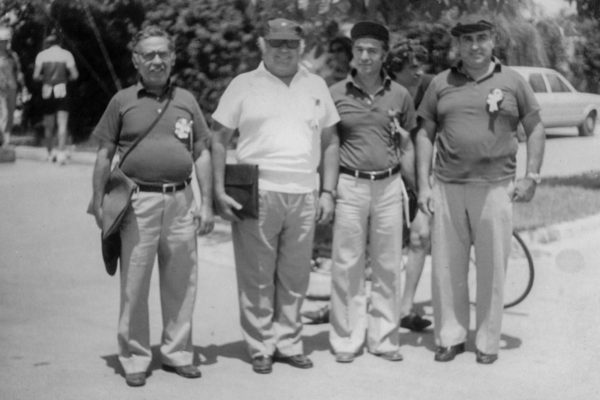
285, 117
161, 221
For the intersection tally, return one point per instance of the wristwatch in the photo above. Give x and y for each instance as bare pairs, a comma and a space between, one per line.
534, 176
332, 192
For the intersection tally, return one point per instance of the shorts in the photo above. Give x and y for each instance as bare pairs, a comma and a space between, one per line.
51, 105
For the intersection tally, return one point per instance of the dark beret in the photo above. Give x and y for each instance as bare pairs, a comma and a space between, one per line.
370, 29
466, 27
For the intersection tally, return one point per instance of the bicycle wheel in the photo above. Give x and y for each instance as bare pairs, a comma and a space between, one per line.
519, 273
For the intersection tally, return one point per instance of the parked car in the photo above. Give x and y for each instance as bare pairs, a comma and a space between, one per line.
562, 105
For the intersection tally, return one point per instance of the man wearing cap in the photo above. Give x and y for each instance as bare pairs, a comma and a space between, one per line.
162, 221
54, 68
286, 119
376, 115
472, 111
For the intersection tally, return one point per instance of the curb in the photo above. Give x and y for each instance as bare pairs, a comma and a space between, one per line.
40, 154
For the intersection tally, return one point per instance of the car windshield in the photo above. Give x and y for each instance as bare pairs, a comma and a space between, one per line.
556, 84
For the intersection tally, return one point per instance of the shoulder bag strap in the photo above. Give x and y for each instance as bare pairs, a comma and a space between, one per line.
142, 136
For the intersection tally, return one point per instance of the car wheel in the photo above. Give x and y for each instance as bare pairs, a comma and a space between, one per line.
588, 125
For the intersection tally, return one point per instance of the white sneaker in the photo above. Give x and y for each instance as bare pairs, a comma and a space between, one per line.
61, 158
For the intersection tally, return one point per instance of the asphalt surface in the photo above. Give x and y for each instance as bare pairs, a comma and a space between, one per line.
58, 319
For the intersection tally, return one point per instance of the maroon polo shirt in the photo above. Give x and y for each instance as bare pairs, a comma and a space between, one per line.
163, 156
475, 144
366, 142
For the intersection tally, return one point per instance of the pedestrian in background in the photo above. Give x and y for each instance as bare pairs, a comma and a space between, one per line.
55, 68
161, 222
405, 64
286, 118
377, 115
11, 78
472, 111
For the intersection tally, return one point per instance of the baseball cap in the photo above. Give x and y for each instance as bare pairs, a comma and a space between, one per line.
282, 29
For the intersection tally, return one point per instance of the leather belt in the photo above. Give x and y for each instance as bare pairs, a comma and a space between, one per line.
164, 188
371, 175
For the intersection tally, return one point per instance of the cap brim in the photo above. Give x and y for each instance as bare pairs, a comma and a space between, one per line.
470, 28
282, 36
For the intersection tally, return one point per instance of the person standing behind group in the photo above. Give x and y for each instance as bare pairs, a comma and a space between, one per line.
405, 65
54, 68
285, 116
11, 78
376, 115
161, 220
472, 110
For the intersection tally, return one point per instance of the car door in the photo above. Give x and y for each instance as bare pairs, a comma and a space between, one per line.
564, 104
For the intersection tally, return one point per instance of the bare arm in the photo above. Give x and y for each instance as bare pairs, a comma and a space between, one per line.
73, 73
104, 157
536, 140
204, 177
330, 147
424, 152
224, 203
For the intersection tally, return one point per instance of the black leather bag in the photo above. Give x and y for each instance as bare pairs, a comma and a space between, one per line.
241, 183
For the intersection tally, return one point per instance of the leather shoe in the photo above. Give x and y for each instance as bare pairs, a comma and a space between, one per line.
391, 355
414, 322
187, 371
298, 361
136, 379
483, 358
262, 365
444, 354
344, 357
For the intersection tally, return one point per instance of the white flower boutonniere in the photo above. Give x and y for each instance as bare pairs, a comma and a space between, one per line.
183, 128
494, 99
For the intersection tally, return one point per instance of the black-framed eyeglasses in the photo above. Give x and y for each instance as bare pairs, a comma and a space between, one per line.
278, 43
151, 55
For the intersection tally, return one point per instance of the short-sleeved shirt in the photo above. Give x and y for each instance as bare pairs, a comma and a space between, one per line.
163, 156
55, 63
366, 141
474, 143
280, 126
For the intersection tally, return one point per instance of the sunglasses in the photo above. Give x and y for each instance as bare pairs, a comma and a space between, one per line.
278, 43
151, 55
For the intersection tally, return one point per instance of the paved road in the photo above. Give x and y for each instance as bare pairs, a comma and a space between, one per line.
58, 315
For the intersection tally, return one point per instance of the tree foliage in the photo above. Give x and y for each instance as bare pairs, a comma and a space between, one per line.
216, 39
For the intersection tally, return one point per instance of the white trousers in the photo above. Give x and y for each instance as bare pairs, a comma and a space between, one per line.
373, 210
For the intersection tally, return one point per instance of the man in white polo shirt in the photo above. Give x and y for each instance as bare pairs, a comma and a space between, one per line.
286, 119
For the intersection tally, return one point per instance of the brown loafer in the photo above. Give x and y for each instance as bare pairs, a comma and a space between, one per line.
344, 357
262, 365
187, 371
298, 361
444, 354
136, 379
483, 358
391, 355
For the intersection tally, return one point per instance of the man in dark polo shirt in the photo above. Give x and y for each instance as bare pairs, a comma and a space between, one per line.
162, 217
376, 115
474, 107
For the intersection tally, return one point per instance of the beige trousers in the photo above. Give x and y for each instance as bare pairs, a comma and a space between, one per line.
364, 209
163, 225
272, 257
465, 215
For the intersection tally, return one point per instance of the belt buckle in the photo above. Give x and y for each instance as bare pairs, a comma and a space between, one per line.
168, 187
372, 175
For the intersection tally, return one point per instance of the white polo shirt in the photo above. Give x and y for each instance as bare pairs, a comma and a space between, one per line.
279, 125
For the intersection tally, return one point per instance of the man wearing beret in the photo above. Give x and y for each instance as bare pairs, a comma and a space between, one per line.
376, 115
286, 119
475, 108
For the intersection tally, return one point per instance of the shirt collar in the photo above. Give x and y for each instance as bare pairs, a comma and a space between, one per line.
262, 69
351, 80
142, 91
458, 68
